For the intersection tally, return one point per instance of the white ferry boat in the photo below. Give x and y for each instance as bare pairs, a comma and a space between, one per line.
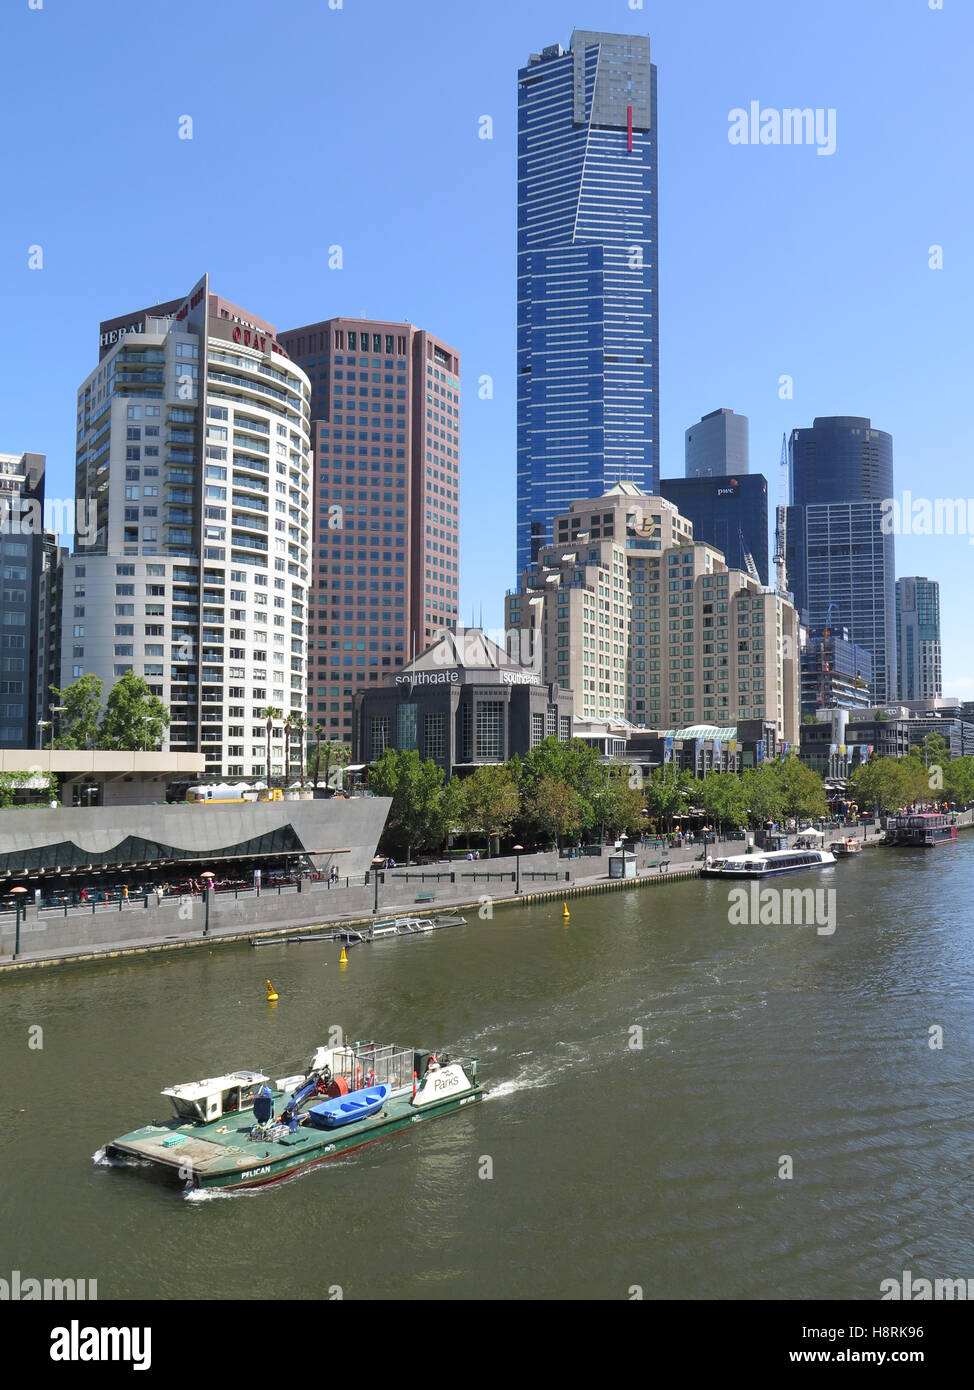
766, 864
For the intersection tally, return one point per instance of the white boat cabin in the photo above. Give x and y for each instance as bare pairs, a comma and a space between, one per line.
216, 1096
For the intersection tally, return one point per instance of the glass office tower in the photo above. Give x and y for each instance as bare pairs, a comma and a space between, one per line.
838, 556
587, 331
728, 512
918, 638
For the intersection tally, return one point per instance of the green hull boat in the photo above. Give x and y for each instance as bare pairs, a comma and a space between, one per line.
237, 1131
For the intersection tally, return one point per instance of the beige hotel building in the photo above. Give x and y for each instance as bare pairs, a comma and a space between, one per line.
644, 624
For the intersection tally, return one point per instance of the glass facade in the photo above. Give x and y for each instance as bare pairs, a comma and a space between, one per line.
838, 557
587, 334
918, 638
722, 509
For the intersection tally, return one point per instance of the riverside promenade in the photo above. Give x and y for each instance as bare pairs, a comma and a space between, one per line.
58, 936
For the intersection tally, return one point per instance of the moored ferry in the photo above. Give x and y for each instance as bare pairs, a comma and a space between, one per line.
924, 829
241, 1130
762, 864
844, 849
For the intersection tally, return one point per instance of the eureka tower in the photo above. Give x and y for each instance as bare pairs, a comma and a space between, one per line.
587, 324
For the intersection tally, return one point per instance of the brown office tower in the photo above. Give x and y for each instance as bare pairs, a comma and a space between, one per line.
385, 409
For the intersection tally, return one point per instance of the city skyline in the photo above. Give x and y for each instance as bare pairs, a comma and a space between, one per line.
747, 300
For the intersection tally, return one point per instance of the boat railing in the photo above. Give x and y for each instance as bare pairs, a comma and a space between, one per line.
375, 1064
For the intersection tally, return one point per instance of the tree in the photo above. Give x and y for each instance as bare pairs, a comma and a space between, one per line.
318, 730
288, 727
621, 807
271, 715
667, 791
959, 780
489, 800
300, 725
722, 796
763, 793
134, 717
337, 753
78, 722
888, 783
554, 809
416, 788
802, 791
574, 762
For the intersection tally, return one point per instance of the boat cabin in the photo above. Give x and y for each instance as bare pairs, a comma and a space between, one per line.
924, 828
201, 1101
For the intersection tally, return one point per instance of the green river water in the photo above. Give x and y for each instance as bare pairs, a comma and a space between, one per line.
613, 1165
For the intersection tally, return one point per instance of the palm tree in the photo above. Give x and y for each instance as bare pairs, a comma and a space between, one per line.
271, 715
319, 730
288, 727
300, 725
340, 753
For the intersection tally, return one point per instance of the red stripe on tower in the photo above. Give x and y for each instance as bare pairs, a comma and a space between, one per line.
629, 127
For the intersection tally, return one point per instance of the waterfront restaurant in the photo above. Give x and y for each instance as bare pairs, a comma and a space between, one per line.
462, 703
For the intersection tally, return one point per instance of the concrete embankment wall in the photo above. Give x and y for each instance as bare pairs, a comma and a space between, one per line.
51, 936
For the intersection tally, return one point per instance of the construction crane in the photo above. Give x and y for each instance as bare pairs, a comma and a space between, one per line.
780, 529
749, 564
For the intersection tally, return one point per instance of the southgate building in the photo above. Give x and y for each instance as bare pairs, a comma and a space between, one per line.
463, 703
647, 625
385, 404
587, 278
193, 563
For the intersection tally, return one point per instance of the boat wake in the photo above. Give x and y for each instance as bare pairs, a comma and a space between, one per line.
102, 1159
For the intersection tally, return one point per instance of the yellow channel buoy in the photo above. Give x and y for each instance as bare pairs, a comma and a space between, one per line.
271, 993
343, 958
564, 910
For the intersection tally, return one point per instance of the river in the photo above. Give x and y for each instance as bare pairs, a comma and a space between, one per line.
655, 1071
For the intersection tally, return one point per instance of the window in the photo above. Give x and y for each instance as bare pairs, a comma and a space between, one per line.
434, 735
490, 729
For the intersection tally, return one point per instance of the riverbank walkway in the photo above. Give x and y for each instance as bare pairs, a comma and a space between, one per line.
86, 933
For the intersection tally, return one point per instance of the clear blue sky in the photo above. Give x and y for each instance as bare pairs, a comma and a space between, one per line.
359, 126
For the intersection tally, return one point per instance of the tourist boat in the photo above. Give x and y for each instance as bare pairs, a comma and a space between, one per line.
924, 829
240, 1130
761, 864
843, 848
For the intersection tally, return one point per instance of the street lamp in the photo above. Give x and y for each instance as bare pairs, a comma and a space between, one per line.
53, 710
207, 877
146, 721
42, 724
21, 907
518, 851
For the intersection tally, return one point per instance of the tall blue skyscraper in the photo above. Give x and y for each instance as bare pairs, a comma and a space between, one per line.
587, 321
838, 556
